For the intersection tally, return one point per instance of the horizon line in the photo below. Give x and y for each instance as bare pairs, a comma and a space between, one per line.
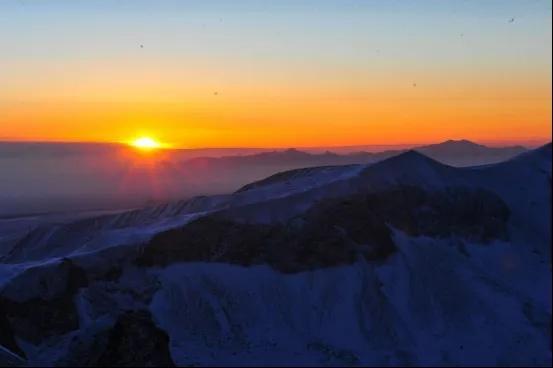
528, 142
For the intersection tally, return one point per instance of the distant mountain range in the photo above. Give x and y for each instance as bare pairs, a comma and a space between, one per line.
405, 261
60, 150
454, 153
40, 177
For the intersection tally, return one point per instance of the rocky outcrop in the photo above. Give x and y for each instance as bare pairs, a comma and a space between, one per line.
305, 243
38, 303
7, 337
472, 214
134, 341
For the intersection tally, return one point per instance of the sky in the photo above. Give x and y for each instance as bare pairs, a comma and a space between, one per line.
275, 74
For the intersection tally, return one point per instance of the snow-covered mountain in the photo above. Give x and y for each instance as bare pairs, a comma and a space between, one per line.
406, 261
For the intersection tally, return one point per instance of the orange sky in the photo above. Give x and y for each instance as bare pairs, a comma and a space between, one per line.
387, 111
346, 88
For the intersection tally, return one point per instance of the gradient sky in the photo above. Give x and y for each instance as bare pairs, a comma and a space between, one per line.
275, 73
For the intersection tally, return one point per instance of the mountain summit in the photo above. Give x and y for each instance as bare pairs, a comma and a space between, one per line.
467, 153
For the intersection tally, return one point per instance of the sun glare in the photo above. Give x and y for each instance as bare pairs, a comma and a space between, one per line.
146, 143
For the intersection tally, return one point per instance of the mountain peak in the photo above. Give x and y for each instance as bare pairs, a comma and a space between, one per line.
294, 152
411, 155
459, 142
546, 148
409, 160
540, 155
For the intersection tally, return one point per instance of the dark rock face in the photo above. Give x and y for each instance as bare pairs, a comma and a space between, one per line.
211, 238
7, 338
312, 241
472, 214
135, 341
85, 349
132, 340
335, 231
37, 319
39, 302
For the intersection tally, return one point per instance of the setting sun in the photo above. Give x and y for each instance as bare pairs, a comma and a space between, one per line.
146, 143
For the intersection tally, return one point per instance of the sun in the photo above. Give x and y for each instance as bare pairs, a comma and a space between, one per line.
146, 144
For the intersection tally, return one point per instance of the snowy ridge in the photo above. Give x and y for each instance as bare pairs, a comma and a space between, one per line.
139, 225
97, 233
